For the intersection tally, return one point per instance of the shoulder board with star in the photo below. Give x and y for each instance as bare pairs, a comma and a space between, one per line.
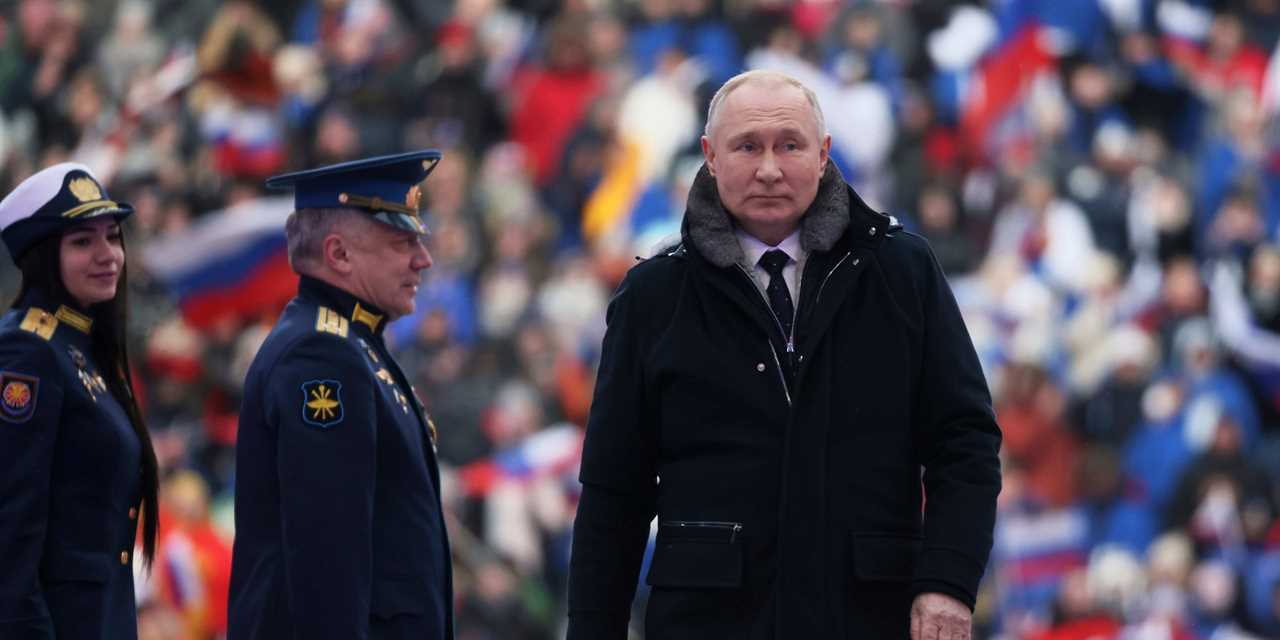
330, 321
39, 322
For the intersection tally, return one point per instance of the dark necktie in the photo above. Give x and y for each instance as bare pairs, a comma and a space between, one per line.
773, 261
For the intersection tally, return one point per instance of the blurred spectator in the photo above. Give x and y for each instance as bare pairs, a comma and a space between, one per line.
1222, 501
456, 109
1049, 234
939, 218
1036, 437
193, 565
553, 98
687, 26
1091, 88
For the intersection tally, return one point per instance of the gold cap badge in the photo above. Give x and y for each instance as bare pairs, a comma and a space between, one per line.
85, 189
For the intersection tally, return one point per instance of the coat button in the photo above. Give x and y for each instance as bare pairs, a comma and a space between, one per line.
124, 557
871, 231
133, 513
760, 367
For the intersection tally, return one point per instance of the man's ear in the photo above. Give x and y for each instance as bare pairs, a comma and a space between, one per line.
825, 152
709, 154
336, 253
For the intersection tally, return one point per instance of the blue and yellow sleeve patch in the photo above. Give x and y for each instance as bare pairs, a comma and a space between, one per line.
322, 403
17, 396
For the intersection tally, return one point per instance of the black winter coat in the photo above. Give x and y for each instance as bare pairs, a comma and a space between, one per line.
788, 485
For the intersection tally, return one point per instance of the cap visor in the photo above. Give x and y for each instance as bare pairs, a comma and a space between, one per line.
402, 221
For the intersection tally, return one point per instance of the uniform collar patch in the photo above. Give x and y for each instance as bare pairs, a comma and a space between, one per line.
343, 304
366, 317
73, 318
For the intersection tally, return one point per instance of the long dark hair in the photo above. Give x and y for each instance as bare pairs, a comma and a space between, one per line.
41, 268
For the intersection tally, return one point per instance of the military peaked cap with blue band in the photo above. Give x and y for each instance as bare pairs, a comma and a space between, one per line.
385, 187
50, 201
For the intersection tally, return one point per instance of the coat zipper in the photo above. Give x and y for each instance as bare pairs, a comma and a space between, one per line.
781, 378
822, 286
791, 347
790, 339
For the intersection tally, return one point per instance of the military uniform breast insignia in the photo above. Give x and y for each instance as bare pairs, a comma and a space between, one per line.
17, 396
404, 402
385, 376
368, 350
431, 427
322, 403
93, 383
422, 406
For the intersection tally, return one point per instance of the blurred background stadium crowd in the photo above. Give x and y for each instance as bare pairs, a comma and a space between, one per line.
1099, 178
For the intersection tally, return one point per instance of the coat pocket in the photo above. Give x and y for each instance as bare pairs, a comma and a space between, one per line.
884, 557
77, 566
697, 554
392, 597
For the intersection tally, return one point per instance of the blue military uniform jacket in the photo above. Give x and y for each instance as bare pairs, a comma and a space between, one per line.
339, 527
70, 483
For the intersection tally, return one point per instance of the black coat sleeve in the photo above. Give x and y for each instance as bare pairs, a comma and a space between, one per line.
956, 439
618, 477
28, 432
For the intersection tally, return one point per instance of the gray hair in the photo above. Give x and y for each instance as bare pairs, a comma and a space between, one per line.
306, 229
762, 75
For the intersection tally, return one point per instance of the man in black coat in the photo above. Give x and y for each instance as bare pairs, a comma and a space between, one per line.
339, 528
782, 389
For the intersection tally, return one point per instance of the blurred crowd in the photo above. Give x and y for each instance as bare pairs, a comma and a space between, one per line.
1099, 178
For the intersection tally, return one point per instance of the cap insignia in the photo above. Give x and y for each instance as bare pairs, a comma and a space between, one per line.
85, 190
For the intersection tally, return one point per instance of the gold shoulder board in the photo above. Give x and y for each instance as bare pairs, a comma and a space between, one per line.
329, 321
39, 322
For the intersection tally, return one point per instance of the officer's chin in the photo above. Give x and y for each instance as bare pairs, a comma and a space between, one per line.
402, 310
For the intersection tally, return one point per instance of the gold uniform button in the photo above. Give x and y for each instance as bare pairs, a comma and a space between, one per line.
133, 513
124, 557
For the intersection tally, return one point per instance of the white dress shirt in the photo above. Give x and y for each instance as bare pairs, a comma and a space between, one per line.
753, 248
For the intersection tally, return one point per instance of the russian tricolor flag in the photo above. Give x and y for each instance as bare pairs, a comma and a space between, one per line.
231, 265
552, 451
1000, 83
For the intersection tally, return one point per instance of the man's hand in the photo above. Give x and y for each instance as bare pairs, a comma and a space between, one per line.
935, 616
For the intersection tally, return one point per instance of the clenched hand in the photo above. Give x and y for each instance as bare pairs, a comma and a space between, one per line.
935, 616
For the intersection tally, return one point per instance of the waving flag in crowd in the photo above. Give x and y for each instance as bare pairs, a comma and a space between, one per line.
231, 264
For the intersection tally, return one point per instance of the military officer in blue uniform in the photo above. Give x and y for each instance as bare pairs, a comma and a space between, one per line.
339, 526
77, 470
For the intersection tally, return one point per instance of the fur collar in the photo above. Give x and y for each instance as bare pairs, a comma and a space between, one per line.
710, 228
